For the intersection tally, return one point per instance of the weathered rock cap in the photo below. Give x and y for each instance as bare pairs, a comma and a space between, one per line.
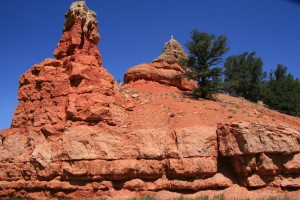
80, 32
173, 52
80, 10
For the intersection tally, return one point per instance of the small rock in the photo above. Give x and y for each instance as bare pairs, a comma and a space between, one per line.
127, 91
135, 95
260, 103
130, 106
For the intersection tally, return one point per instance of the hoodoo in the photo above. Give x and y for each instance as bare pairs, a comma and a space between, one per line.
80, 33
73, 88
165, 69
77, 134
173, 52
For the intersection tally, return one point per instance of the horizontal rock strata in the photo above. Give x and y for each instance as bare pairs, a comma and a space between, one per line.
261, 154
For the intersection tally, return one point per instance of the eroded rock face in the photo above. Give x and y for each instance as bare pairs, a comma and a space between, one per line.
246, 138
165, 69
54, 91
74, 133
261, 154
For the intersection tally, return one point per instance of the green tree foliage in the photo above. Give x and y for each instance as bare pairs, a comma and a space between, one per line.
244, 76
205, 51
282, 92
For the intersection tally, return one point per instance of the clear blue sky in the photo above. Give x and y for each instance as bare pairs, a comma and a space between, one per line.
134, 32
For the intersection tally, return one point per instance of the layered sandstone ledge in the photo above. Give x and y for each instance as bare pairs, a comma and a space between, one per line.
89, 161
262, 154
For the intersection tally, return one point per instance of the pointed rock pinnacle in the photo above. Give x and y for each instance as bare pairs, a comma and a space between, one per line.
80, 32
172, 52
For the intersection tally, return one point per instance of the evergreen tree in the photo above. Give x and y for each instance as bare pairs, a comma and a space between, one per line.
280, 71
205, 51
282, 92
244, 76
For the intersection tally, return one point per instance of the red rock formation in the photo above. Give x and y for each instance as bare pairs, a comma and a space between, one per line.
80, 33
262, 154
69, 123
165, 69
75, 134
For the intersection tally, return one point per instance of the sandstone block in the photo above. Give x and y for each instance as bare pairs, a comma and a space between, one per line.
244, 138
112, 170
191, 167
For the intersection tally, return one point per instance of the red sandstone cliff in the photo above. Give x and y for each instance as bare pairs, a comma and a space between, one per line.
76, 134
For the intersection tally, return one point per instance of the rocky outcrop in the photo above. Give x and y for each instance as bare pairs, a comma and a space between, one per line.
262, 154
67, 138
165, 69
107, 159
75, 87
76, 134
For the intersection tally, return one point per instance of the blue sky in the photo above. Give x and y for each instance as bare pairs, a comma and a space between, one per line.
134, 32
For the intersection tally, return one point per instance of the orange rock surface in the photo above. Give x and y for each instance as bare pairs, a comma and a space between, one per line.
77, 134
165, 69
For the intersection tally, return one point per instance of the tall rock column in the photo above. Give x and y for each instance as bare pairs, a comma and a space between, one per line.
80, 33
55, 96
74, 87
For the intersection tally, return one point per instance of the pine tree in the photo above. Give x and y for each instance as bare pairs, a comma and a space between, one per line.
244, 76
205, 51
282, 92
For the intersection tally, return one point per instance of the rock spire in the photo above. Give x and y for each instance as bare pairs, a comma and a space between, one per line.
172, 52
80, 33
76, 85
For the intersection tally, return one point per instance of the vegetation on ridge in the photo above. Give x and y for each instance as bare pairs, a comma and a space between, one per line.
242, 75
282, 91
